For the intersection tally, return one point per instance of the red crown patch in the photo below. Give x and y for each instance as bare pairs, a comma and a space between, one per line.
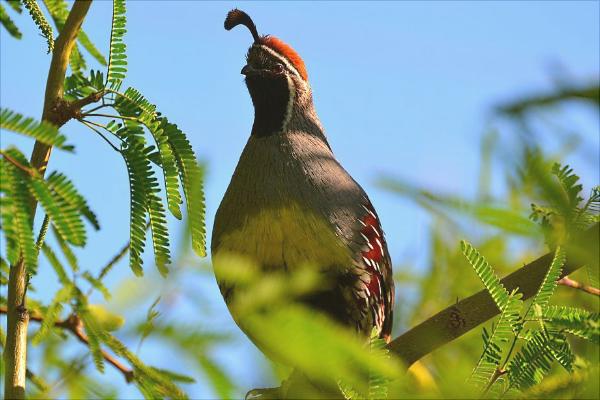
286, 51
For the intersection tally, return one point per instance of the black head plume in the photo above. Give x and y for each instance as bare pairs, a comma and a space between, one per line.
237, 17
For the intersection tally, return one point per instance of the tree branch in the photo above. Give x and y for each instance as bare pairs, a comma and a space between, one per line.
566, 281
15, 352
468, 313
74, 325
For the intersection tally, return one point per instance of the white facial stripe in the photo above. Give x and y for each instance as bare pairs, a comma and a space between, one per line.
282, 59
290, 104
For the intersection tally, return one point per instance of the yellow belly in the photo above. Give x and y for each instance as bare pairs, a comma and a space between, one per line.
285, 237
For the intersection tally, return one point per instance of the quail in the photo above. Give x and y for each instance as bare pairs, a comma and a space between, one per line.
290, 202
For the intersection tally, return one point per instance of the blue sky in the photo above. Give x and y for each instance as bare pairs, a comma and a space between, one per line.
404, 88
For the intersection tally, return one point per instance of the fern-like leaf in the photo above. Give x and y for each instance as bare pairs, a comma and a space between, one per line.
139, 173
63, 187
9, 24
378, 384
117, 61
52, 313
38, 18
6, 212
191, 176
150, 381
63, 215
549, 283
495, 342
575, 321
487, 275
94, 333
569, 183
41, 131
132, 104
67, 251
59, 269
529, 366
15, 5
20, 238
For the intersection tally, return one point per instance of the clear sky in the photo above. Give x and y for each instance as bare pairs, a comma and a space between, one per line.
404, 88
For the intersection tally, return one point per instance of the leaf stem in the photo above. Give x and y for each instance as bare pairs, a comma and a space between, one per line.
89, 125
112, 116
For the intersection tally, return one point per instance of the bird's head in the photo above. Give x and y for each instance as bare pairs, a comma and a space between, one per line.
275, 76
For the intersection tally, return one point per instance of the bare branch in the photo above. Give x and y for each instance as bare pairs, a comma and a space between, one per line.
566, 281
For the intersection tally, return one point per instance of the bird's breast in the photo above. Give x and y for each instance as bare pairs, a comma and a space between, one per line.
286, 236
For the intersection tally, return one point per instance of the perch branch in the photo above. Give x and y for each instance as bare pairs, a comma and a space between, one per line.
15, 352
566, 281
74, 325
468, 313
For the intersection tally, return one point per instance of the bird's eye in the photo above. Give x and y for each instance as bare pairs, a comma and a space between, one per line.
278, 68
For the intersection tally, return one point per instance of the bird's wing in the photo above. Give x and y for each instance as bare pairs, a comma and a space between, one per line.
375, 285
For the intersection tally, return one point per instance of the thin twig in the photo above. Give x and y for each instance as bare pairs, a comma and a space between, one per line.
112, 116
96, 108
17, 164
566, 281
89, 99
74, 325
89, 124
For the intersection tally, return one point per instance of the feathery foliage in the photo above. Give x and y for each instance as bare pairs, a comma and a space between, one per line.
17, 224
9, 24
117, 60
41, 131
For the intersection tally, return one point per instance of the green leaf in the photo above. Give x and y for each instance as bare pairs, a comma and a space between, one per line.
8, 23
144, 201
52, 313
38, 18
41, 131
16, 217
529, 366
191, 176
140, 173
549, 283
94, 332
67, 251
76, 61
15, 5
56, 264
60, 184
87, 44
63, 215
151, 382
133, 104
97, 284
487, 275
105, 319
117, 60
495, 343
575, 321
174, 376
